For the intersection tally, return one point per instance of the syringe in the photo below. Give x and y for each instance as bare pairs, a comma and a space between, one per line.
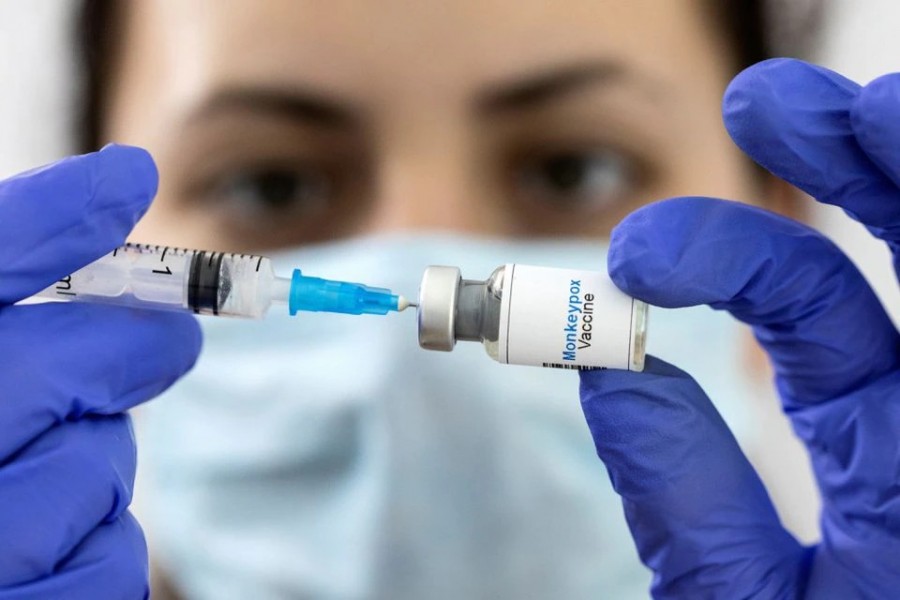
213, 283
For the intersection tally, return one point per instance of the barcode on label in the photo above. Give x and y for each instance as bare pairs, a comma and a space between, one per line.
570, 367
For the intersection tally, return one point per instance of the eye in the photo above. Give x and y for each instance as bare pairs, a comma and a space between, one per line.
275, 192
577, 180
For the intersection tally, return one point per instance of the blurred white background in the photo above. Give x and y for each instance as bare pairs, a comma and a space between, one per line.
36, 74
36, 68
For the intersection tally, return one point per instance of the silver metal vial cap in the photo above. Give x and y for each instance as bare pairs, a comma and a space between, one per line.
438, 294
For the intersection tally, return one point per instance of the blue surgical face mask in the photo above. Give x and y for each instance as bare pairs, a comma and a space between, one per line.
328, 456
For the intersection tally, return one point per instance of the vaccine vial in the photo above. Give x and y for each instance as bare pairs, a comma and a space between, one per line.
538, 316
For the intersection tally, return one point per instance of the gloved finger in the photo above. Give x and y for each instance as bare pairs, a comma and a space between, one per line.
56, 219
793, 118
699, 514
58, 489
854, 446
811, 309
875, 118
111, 563
62, 361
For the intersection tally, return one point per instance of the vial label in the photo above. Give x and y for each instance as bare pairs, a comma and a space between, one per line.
564, 318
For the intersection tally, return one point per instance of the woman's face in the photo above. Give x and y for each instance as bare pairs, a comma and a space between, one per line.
287, 122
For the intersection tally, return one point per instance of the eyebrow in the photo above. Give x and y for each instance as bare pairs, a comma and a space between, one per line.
300, 105
321, 110
546, 86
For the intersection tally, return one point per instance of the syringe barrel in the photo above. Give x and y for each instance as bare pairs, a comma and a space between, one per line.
166, 278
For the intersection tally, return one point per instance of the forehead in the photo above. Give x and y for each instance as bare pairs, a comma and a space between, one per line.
382, 48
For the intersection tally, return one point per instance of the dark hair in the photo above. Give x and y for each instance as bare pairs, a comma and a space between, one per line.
744, 25
94, 37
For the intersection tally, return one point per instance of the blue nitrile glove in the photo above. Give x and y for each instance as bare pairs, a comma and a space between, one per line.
67, 373
698, 512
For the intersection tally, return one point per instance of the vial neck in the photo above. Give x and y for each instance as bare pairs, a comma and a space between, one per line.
477, 312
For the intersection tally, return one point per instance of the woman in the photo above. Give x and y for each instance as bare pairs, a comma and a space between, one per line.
330, 457
291, 124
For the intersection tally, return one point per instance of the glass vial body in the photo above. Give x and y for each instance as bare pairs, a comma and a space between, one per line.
534, 316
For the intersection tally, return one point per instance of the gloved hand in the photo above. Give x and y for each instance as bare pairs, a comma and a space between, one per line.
698, 512
67, 373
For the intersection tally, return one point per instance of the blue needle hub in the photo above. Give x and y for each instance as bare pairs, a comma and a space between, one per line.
323, 295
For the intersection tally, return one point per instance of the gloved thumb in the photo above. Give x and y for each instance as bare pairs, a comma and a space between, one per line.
56, 219
699, 514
